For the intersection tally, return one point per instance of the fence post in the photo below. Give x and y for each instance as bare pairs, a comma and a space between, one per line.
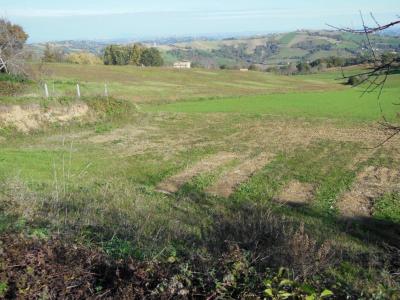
105, 90
78, 90
46, 90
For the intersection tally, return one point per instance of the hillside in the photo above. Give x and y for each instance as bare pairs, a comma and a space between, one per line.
264, 50
278, 49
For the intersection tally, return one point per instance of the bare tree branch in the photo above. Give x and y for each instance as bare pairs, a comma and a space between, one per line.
368, 30
376, 77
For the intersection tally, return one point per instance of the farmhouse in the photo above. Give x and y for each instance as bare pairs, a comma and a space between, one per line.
182, 64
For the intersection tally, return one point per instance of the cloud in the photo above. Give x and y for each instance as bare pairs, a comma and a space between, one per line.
75, 13
272, 14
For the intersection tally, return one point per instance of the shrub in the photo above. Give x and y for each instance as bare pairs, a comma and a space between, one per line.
356, 80
83, 58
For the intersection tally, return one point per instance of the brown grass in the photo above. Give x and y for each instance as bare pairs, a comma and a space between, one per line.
371, 183
296, 193
231, 179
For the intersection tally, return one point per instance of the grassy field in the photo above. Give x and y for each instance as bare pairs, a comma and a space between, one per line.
344, 105
202, 163
165, 85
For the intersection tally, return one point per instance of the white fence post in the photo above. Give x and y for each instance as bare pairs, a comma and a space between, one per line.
78, 90
105, 90
46, 90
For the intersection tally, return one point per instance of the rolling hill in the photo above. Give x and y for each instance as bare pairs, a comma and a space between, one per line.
262, 50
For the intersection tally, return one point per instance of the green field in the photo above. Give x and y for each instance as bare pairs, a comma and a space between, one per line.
344, 105
202, 168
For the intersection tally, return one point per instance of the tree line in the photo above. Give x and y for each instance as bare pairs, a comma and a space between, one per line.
136, 54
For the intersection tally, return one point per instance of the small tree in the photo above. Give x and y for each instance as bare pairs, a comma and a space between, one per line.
151, 57
303, 67
52, 54
12, 40
135, 54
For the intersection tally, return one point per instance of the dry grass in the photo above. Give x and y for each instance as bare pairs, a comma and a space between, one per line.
371, 183
172, 184
296, 193
226, 185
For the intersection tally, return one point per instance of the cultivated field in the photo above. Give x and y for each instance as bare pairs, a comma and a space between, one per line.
202, 161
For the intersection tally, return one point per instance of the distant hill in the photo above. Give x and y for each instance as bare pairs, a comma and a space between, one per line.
262, 50
278, 49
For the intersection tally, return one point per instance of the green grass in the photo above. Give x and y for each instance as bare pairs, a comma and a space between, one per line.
162, 85
388, 208
288, 37
341, 105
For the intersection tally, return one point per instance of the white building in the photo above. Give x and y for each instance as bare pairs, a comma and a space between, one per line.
183, 65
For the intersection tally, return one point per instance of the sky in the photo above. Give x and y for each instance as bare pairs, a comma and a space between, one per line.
51, 20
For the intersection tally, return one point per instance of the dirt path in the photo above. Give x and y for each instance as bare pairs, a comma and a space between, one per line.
172, 184
231, 179
370, 184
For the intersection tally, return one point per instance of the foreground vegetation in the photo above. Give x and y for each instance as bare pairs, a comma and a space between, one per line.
95, 189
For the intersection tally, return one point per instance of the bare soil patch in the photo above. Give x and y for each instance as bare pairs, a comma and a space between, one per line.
296, 193
231, 179
31, 117
172, 184
370, 184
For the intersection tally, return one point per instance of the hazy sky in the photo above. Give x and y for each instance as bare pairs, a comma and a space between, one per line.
47, 20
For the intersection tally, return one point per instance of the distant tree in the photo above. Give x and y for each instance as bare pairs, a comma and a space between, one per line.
108, 58
52, 54
83, 58
115, 55
124, 55
151, 57
303, 67
12, 40
254, 67
135, 54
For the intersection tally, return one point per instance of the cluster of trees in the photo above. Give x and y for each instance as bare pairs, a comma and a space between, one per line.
132, 55
136, 54
321, 64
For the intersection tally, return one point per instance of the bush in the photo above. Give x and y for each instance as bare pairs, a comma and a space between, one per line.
254, 68
10, 85
356, 80
151, 57
83, 58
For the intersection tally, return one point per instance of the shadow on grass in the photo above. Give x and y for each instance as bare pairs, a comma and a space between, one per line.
367, 229
275, 239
